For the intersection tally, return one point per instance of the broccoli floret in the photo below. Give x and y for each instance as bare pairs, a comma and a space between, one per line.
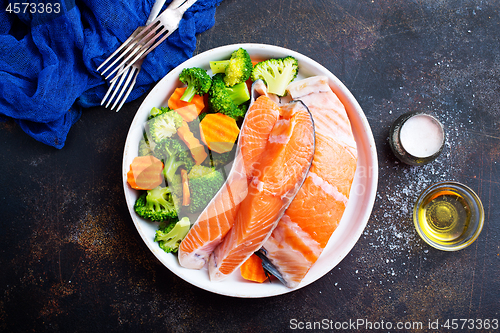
163, 126
174, 154
199, 171
204, 183
229, 101
276, 73
197, 80
156, 205
157, 111
170, 237
145, 148
194, 126
237, 69
239, 93
219, 161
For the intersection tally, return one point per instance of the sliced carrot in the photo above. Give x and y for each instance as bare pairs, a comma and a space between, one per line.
197, 149
219, 132
174, 102
252, 269
145, 173
186, 195
188, 112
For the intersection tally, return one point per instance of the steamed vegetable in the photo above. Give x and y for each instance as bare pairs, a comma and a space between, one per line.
229, 101
204, 183
170, 236
188, 112
175, 155
164, 125
157, 205
195, 147
145, 173
219, 132
252, 270
175, 102
276, 73
197, 80
237, 68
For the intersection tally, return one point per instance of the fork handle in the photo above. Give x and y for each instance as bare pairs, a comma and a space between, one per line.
155, 11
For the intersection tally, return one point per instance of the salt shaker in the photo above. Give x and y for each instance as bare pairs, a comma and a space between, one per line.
416, 138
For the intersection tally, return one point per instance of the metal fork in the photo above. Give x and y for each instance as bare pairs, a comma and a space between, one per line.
130, 74
149, 38
133, 51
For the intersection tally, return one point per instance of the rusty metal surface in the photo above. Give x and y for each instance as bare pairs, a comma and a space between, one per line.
72, 260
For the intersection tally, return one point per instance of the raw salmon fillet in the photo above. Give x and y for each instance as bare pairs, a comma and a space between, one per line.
218, 217
314, 214
276, 179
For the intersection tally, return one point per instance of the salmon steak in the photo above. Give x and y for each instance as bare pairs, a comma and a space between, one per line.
306, 226
218, 217
275, 177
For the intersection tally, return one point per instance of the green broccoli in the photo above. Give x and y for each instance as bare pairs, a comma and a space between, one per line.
276, 73
156, 205
163, 126
204, 183
237, 69
194, 126
219, 161
145, 148
172, 235
175, 154
229, 101
197, 80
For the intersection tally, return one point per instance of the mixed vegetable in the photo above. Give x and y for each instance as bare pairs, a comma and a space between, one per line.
188, 146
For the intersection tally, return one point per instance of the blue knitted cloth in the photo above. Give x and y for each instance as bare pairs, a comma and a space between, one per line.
48, 61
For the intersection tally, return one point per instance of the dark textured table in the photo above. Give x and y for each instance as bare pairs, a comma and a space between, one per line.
72, 260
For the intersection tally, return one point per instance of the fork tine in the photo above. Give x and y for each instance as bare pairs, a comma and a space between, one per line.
125, 63
128, 45
115, 53
141, 53
110, 89
116, 90
131, 86
127, 76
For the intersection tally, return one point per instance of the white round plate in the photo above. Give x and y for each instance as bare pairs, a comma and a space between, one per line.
362, 195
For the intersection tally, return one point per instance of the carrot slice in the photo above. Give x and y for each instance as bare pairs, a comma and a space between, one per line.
219, 132
252, 269
197, 149
174, 102
188, 112
145, 173
186, 195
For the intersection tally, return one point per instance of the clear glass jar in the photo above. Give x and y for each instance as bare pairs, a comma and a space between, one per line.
416, 138
448, 216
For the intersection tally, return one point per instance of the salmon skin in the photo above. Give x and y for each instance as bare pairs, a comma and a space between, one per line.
275, 179
218, 217
314, 214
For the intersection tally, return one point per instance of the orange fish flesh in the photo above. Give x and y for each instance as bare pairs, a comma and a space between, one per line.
218, 217
314, 214
276, 178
